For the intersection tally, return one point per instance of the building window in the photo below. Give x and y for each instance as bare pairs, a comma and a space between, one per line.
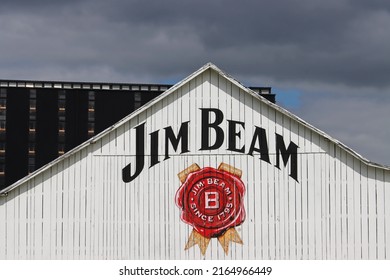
3, 93
33, 115
3, 104
2, 125
31, 148
91, 95
61, 94
31, 127
33, 105
61, 105
31, 164
61, 127
33, 93
137, 100
91, 129
137, 97
61, 149
91, 116
91, 106
31, 137
61, 137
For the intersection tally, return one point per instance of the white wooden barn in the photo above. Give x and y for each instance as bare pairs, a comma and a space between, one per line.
290, 191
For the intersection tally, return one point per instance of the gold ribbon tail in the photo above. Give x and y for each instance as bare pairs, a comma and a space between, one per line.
197, 238
230, 235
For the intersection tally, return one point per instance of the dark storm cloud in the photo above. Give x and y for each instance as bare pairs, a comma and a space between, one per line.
333, 41
37, 6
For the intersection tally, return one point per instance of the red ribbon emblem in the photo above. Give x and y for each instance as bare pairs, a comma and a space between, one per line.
211, 201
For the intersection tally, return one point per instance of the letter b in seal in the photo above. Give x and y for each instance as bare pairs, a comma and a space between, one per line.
211, 200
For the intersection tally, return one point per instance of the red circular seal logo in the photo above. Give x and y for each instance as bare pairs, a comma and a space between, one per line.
211, 201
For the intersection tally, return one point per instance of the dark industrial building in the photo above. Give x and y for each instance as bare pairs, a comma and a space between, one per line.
41, 120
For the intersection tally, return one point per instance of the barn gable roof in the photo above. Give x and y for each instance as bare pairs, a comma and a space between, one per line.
206, 67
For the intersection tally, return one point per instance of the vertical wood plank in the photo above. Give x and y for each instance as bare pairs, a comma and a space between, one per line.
311, 193
332, 202
357, 209
87, 181
324, 197
22, 242
380, 202
351, 188
77, 205
317, 185
46, 214
372, 214
3, 219
343, 187
338, 205
272, 192
299, 194
387, 214
10, 238
364, 211
38, 218
305, 193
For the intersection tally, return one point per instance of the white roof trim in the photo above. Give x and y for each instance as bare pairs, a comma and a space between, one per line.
207, 66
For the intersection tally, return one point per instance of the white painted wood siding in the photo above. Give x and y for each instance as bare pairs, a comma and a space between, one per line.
80, 208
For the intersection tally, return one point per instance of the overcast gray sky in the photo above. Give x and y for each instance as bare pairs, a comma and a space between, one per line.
327, 61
